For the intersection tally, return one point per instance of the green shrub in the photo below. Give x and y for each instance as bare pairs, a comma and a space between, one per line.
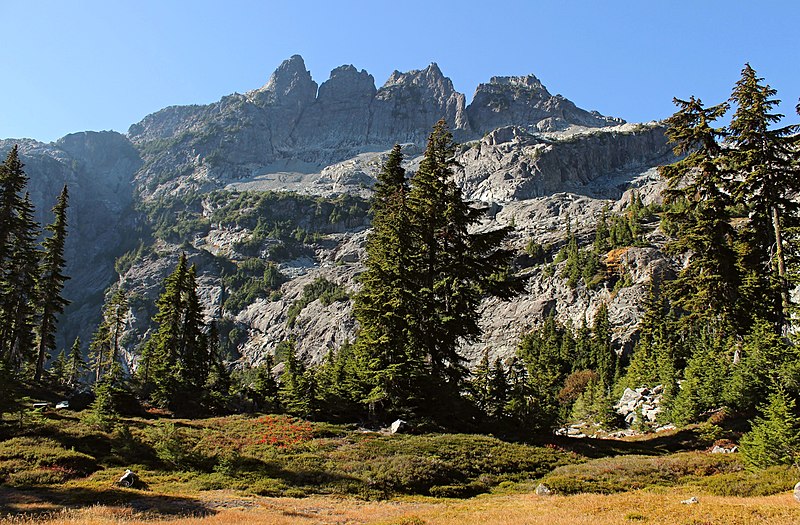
749, 484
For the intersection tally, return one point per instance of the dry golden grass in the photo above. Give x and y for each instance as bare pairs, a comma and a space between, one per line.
651, 508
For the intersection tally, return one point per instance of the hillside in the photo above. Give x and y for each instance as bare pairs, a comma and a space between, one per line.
534, 158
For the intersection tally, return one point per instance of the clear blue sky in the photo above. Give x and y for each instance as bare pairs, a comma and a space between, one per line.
102, 64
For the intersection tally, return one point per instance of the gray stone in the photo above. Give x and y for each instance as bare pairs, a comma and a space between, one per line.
397, 426
691, 501
543, 490
797, 491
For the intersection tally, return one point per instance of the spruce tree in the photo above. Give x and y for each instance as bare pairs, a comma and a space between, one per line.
767, 181
51, 282
76, 366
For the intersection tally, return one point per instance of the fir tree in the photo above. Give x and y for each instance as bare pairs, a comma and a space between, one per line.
51, 282
105, 345
707, 285
451, 268
767, 178
384, 305
774, 438
17, 319
265, 387
76, 366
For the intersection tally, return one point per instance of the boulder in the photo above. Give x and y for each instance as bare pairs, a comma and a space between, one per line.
797, 491
543, 490
398, 426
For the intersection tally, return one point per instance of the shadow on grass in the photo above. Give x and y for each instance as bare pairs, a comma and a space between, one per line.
667, 443
46, 500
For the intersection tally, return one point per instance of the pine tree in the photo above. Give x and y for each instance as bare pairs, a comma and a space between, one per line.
767, 178
51, 282
707, 285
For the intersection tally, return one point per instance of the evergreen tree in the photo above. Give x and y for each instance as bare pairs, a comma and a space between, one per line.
296, 388
479, 384
17, 313
707, 285
497, 397
51, 282
177, 360
76, 366
604, 358
704, 378
766, 361
451, 268
767, 177
384, 305
265, 387
218, 382
774, 438
105, 345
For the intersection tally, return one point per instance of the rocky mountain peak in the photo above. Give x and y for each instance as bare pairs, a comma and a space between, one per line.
290, 82
346, 82
527, 82
525, 101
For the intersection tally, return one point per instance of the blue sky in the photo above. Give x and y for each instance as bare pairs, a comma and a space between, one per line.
100, 64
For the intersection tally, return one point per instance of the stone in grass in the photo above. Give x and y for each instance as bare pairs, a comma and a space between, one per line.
397, 426
797, 491
691, 501
543, 490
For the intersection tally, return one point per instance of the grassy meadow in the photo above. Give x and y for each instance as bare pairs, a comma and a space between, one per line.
61, 467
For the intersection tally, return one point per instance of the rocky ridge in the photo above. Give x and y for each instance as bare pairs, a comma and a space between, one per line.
533, 158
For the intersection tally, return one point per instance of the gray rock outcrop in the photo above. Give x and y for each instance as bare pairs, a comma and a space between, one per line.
524, 101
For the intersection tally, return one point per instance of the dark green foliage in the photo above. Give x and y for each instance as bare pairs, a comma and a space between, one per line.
19, 297
105, 345
707, 285
766, 361
51, 282
179, 358
705, 375
297, 386
265, 387
254, 279
764, 159
775, 437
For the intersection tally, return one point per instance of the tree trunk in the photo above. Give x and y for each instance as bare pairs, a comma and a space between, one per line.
781, 263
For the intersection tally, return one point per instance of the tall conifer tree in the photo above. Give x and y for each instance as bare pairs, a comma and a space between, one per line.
767, 177
707, 285
51, 282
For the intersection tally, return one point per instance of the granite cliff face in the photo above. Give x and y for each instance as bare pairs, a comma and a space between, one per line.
98, 169
533, 158
292, 126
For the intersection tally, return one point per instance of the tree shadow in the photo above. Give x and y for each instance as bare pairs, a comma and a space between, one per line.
38, 501
656, 444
